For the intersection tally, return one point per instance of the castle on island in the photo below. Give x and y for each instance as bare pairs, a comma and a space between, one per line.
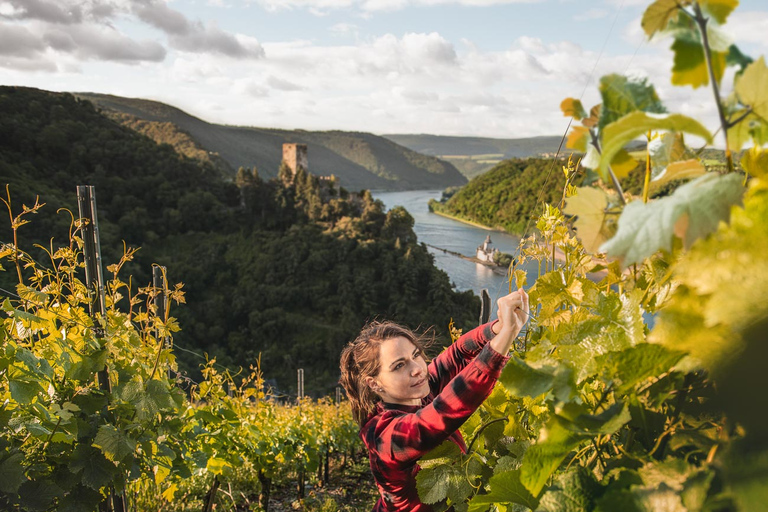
486, 252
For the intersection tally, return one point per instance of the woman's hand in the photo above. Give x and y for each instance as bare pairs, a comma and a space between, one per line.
513, 312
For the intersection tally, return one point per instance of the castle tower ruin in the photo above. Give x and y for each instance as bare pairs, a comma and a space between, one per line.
295, 157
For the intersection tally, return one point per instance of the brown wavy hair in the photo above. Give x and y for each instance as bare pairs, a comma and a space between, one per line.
360, 359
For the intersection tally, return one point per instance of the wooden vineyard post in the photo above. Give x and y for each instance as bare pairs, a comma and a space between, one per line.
94, 279
485, 306
300, 393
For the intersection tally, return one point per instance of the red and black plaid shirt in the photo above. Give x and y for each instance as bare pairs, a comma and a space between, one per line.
396, 436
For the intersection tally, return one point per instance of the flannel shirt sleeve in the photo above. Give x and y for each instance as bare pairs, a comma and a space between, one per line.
458, 355
404, 438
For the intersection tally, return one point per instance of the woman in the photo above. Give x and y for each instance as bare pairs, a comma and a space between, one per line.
406, 407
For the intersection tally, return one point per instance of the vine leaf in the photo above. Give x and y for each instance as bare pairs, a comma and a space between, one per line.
752, 88
588, 206
700, 205
572, 107
506, 487
578, 138
12, 473
617, 134
115, 445
440, 481
633, 365
690, 64
523, 380
658, 15
681, 170
719, 9
573, 491
622, 95
755, 161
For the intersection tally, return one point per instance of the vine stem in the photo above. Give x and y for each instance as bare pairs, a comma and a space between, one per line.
483, 427
15, 236
614, 179
701, 22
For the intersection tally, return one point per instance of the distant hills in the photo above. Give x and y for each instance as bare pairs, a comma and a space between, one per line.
358, 160
476, 155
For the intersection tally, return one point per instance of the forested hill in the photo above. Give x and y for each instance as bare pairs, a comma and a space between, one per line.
512, 193
288, 272
506, 196
358, 160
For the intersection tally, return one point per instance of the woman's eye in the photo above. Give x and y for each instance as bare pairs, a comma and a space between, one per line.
398, 366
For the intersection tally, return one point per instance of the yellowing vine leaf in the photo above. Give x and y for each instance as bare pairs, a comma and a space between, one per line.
589, 205
658, 15
617, 134
690, 67
623, 163
572, 107
578, 139
647, 228
755, 161
682, 170
723, 287
719, 9
752, 88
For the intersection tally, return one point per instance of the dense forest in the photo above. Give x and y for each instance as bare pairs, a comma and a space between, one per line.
287, 269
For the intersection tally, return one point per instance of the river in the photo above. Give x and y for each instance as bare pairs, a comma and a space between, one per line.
452, 235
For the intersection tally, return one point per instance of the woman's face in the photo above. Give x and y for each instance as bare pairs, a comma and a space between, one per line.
403, 377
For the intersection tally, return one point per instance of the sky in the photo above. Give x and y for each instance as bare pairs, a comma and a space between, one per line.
487, 68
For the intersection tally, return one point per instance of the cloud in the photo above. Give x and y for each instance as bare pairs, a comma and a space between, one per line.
87, 30
322, 6
283, 85
748, 27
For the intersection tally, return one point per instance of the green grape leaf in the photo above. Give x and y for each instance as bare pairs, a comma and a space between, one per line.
635, 364
619, 133
573, 491
690, 64
97, 471
572, 107
701, 204
607, 422
39, 495
80, 499
752, 88
12, 473
719, 10
622, 96
523, 380
696, 488
115, 445
658, 15
506, 487
556, 440
447, 452
24, 391
737, 58
442, 481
